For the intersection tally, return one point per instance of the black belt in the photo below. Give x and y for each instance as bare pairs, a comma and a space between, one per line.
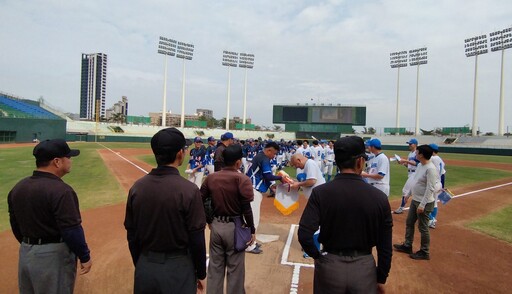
350, 252
41, 241
224, 219
411, 170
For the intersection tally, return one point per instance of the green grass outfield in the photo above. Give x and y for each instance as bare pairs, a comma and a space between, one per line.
96, 187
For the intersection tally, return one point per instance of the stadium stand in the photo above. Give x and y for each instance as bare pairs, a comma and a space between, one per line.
15, 108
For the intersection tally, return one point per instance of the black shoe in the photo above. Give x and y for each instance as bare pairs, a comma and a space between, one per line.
403, 248
258, 245
420, 255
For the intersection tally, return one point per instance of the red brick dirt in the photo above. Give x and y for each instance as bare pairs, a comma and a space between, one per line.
462, 260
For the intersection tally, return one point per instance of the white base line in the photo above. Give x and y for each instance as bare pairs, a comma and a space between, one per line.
476, 191
296, 266
124, 158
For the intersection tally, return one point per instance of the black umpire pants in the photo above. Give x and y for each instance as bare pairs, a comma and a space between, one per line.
158, 272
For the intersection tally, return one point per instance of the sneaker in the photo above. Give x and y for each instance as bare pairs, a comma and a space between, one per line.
400, 210
403, 248
258, 245
432, 223
420, 255
256, 250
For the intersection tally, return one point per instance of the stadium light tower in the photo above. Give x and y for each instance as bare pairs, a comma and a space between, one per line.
417, 57
501, 40
398, 60
229, 59
247, 62
185, 52
475, 46
166, 47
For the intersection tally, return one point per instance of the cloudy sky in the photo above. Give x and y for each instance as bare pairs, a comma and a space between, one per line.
334, 51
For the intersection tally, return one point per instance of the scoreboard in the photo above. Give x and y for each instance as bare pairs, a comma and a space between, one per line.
319, 114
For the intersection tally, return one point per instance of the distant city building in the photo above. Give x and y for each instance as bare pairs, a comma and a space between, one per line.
172, 120
93, 86
207, 113
120, 107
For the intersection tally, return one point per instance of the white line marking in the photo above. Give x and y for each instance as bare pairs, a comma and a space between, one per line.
124, 158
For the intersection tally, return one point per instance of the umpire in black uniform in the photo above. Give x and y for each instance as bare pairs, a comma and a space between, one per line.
45, 219
165, 223
354, 217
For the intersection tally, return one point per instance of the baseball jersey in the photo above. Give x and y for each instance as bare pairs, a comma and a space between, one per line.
210, 152
260, 165
318, 154
411, 168
312, 171
439, 164
329, 155
379, 165
197, 158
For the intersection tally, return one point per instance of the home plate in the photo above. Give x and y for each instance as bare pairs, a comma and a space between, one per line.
264, 238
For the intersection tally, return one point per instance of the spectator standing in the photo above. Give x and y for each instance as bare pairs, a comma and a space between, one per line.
165, 222
45, 218
422, 205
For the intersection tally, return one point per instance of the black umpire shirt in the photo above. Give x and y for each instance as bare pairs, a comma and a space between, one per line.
44, 206
352, 215
164, 213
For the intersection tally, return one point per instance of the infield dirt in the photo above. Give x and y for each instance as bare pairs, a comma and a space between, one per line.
462, 260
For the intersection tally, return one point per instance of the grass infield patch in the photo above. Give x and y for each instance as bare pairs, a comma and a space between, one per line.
497, 224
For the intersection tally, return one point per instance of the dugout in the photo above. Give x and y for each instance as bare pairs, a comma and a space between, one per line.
22, 130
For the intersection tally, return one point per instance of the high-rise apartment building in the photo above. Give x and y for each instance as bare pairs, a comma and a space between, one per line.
93, 86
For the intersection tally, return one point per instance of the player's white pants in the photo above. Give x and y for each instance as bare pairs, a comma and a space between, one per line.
256, 208
247, 164
383, 187
210, 168
196, 178
328, 168
406, 190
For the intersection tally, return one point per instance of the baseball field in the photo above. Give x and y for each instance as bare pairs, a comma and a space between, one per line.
471, 247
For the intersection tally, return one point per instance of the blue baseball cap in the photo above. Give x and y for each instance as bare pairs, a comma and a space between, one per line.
211, 139
375, 143
412, 141
434, 147
226, 136
198, 140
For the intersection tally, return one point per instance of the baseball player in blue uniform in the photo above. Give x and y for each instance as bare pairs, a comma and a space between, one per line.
209, 154
197, 162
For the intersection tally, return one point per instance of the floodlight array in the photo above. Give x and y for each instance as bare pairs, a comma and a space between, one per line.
476, 45
398, 59
418, 56
229, 58
185, 51
167, 46
501, 40
246, 60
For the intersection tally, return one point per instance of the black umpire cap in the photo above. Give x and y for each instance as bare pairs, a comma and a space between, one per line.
55, 148
167, 140
348, 148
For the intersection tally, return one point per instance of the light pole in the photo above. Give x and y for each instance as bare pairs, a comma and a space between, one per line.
398, 60
501, 40
229, 59
475, 46
185, 51
246, 61
417, 57
166, 47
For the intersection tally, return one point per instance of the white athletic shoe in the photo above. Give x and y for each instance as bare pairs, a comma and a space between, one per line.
432, 223
400, 210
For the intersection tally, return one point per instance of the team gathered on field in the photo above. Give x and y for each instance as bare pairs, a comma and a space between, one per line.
345, 182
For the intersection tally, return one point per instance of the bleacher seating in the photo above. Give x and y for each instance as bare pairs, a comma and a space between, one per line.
19, 109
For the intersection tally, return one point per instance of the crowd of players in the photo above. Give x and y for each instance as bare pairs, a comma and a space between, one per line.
202, 157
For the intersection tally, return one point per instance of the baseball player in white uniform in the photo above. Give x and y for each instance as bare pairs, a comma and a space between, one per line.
378, 173
411, 162
328, 160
